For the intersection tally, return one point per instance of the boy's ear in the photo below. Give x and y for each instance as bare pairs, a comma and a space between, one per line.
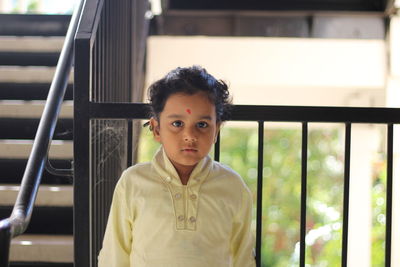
155, 128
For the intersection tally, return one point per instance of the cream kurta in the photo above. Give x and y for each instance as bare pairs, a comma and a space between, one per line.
155, 221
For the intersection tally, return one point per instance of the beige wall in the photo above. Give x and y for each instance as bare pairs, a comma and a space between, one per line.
281, 71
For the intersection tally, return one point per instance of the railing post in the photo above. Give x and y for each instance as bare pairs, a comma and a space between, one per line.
303, 206
5, 242
389, 196
260, 167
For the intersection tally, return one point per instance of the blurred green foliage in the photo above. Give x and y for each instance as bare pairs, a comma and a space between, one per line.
282, 191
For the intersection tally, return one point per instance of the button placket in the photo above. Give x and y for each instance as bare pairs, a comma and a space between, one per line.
179, 205
192, 200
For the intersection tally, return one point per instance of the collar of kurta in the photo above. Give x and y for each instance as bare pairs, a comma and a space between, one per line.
168, 173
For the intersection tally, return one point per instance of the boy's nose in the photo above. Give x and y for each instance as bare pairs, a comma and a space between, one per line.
190, 139
190, 136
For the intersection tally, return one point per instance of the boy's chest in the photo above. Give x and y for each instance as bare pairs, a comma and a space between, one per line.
208, 208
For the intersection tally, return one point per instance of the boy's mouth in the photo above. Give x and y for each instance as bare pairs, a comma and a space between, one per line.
189, 150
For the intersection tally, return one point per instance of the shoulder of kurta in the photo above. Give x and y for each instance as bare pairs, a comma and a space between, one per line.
132, 176
222, 171
133, 173
237, 187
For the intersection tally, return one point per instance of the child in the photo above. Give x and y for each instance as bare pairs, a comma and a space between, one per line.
182, 209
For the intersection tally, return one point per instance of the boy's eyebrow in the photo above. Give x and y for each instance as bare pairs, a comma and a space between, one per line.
206, 118
177, 116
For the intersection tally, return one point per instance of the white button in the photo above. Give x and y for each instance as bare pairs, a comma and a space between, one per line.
192, 219
193, 197
168, 179
181, 217
178, 195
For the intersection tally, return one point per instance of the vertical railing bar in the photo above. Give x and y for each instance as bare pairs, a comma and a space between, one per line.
122, 49
217, 147
120, 82
103, 175
128, 52
303, 211
94, 144
94, 52
389, 196
260, 166
101, 36
108, 49
130, 144
5, 236
103, 58
116, 51
346, 194
99, 67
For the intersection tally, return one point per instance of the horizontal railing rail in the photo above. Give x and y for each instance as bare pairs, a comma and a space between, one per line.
264, 113
19, 219
303, 115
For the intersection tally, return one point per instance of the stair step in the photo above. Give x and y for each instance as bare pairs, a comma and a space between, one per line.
31, 109
46, 220
12, 171
34, 25
40, 264
29, 91
29, 74
20, 128
50, 196
21, 149
29, 58
42, 248
30, 44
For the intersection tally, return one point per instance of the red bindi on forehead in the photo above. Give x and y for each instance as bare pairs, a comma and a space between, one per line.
188, 111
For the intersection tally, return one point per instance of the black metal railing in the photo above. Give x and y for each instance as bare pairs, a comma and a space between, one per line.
108, 75
305, 115
109, 67
19, 220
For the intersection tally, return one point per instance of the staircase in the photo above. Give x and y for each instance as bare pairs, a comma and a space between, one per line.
29, 50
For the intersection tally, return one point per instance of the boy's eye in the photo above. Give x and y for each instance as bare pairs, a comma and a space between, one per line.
177, 124
202, 124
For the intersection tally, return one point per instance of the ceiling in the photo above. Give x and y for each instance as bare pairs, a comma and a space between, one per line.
280, 5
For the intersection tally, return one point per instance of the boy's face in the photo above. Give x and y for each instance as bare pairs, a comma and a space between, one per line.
187, 128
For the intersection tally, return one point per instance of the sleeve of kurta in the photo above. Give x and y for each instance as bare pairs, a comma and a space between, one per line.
242, 241
118, 236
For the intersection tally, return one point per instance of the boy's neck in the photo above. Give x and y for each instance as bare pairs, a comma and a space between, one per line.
184, 175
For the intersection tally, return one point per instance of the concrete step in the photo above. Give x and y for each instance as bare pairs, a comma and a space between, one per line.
46, 220
29, 74
42, 248
20, 128
21, 149
29, 91
31, 44
31, 109
12, 171
29, 58
34, 24
41, 264
48, 196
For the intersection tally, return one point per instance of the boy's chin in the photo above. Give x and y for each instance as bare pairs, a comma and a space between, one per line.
185, 162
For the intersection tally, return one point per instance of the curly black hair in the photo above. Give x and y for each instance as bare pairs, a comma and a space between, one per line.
190, 80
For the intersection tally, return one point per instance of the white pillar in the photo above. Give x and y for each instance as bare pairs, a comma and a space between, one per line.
393, 100
364, 145
5, 6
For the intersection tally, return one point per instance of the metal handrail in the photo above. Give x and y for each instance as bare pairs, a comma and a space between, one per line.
19, 219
